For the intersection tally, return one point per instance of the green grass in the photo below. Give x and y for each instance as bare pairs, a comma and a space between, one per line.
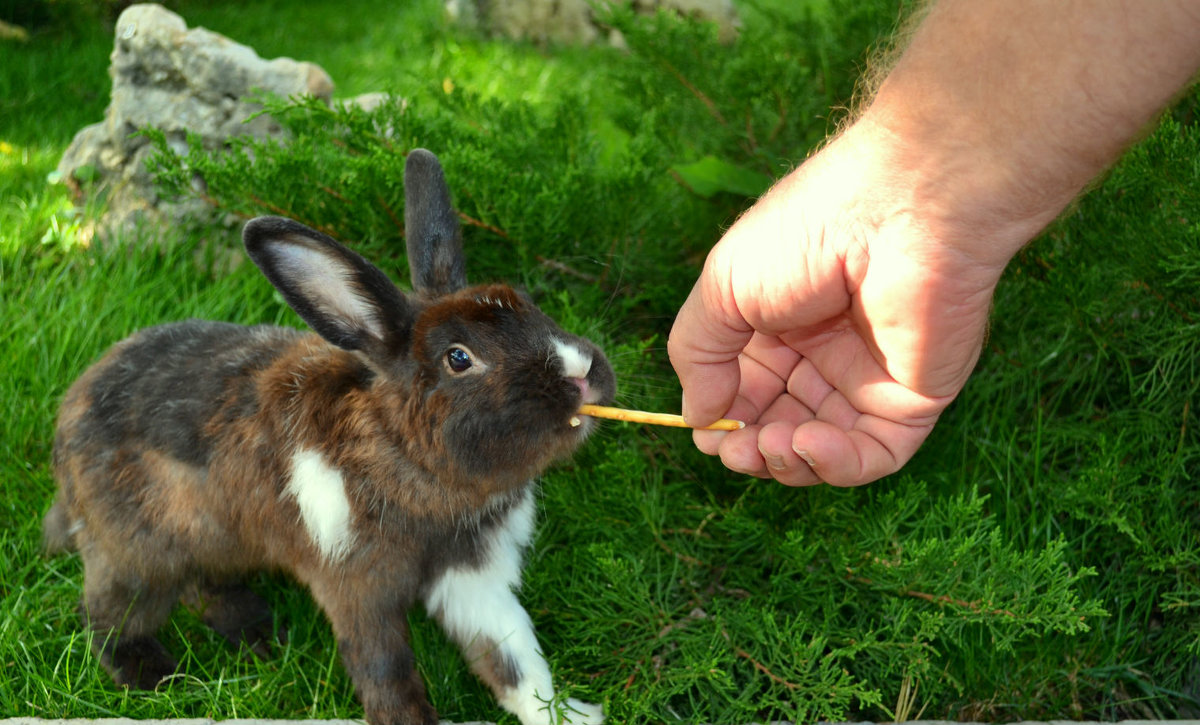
1039, 558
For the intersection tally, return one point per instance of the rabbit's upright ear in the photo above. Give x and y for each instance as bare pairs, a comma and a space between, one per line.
342, 296
435, 255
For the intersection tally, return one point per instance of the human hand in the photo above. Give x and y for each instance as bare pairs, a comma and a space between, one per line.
835, 321
845, 310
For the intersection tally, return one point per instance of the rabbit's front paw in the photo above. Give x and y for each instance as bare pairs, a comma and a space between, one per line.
561, 712
578, 712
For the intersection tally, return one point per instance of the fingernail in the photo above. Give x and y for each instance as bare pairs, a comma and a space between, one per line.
683, 405
775, 463
806, 456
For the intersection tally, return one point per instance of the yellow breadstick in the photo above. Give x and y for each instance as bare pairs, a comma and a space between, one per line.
637, 416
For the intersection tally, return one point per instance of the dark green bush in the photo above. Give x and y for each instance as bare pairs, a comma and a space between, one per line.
35, 15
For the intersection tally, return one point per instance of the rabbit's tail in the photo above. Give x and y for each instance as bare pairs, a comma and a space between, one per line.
57, 536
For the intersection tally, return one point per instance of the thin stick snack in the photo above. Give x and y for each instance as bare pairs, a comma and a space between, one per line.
638, 416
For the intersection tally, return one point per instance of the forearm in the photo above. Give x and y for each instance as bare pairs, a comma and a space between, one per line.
999, 112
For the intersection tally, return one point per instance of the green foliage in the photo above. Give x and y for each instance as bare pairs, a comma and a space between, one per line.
1039, 558
1087, 392
544, 193
710, 176
561, 176
758, 103
49, 88
37, 14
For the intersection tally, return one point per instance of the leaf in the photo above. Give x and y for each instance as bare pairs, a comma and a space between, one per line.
86, 174
710, 176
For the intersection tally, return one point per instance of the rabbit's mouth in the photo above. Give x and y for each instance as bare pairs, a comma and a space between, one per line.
587, 394
579, 427
581, 423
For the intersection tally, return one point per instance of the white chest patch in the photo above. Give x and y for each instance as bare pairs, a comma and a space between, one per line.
575, 362
320, 493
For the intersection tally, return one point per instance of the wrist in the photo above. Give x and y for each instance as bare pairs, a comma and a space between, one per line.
951, 207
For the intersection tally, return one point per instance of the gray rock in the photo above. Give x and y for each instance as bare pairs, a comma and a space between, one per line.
571, 21
180, 81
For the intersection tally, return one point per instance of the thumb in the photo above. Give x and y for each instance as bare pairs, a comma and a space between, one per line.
705, 341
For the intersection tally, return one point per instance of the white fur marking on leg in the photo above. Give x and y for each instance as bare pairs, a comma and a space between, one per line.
320, 493
502, 569
575, 362
479, 603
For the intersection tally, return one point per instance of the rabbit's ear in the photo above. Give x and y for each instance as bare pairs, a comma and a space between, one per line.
342, 296
435, 255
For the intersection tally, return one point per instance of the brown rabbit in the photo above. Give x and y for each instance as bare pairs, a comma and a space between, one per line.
386, 462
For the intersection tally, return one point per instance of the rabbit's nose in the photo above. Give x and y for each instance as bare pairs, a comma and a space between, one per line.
584, 388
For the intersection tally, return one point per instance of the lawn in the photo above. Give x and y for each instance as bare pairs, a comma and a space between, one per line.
1038, 559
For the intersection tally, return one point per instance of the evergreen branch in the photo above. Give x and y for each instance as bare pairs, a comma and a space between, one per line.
217, 204
467, 219
750, 131
567, 269
276, 209
692, 616
781, 124
681, 181
693, 561
387, 209
334, 193
975, 607
690, 532
756, 664
345, 147
1141, 284
699, 94
1187, 407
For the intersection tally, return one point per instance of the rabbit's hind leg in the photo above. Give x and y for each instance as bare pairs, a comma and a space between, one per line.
238, 614
124, 613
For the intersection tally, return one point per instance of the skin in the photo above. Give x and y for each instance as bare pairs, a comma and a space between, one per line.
845, 310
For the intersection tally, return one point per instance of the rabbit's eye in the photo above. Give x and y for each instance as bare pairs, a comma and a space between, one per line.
458, 359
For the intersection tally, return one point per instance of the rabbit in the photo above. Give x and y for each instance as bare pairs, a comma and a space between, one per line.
387, 460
